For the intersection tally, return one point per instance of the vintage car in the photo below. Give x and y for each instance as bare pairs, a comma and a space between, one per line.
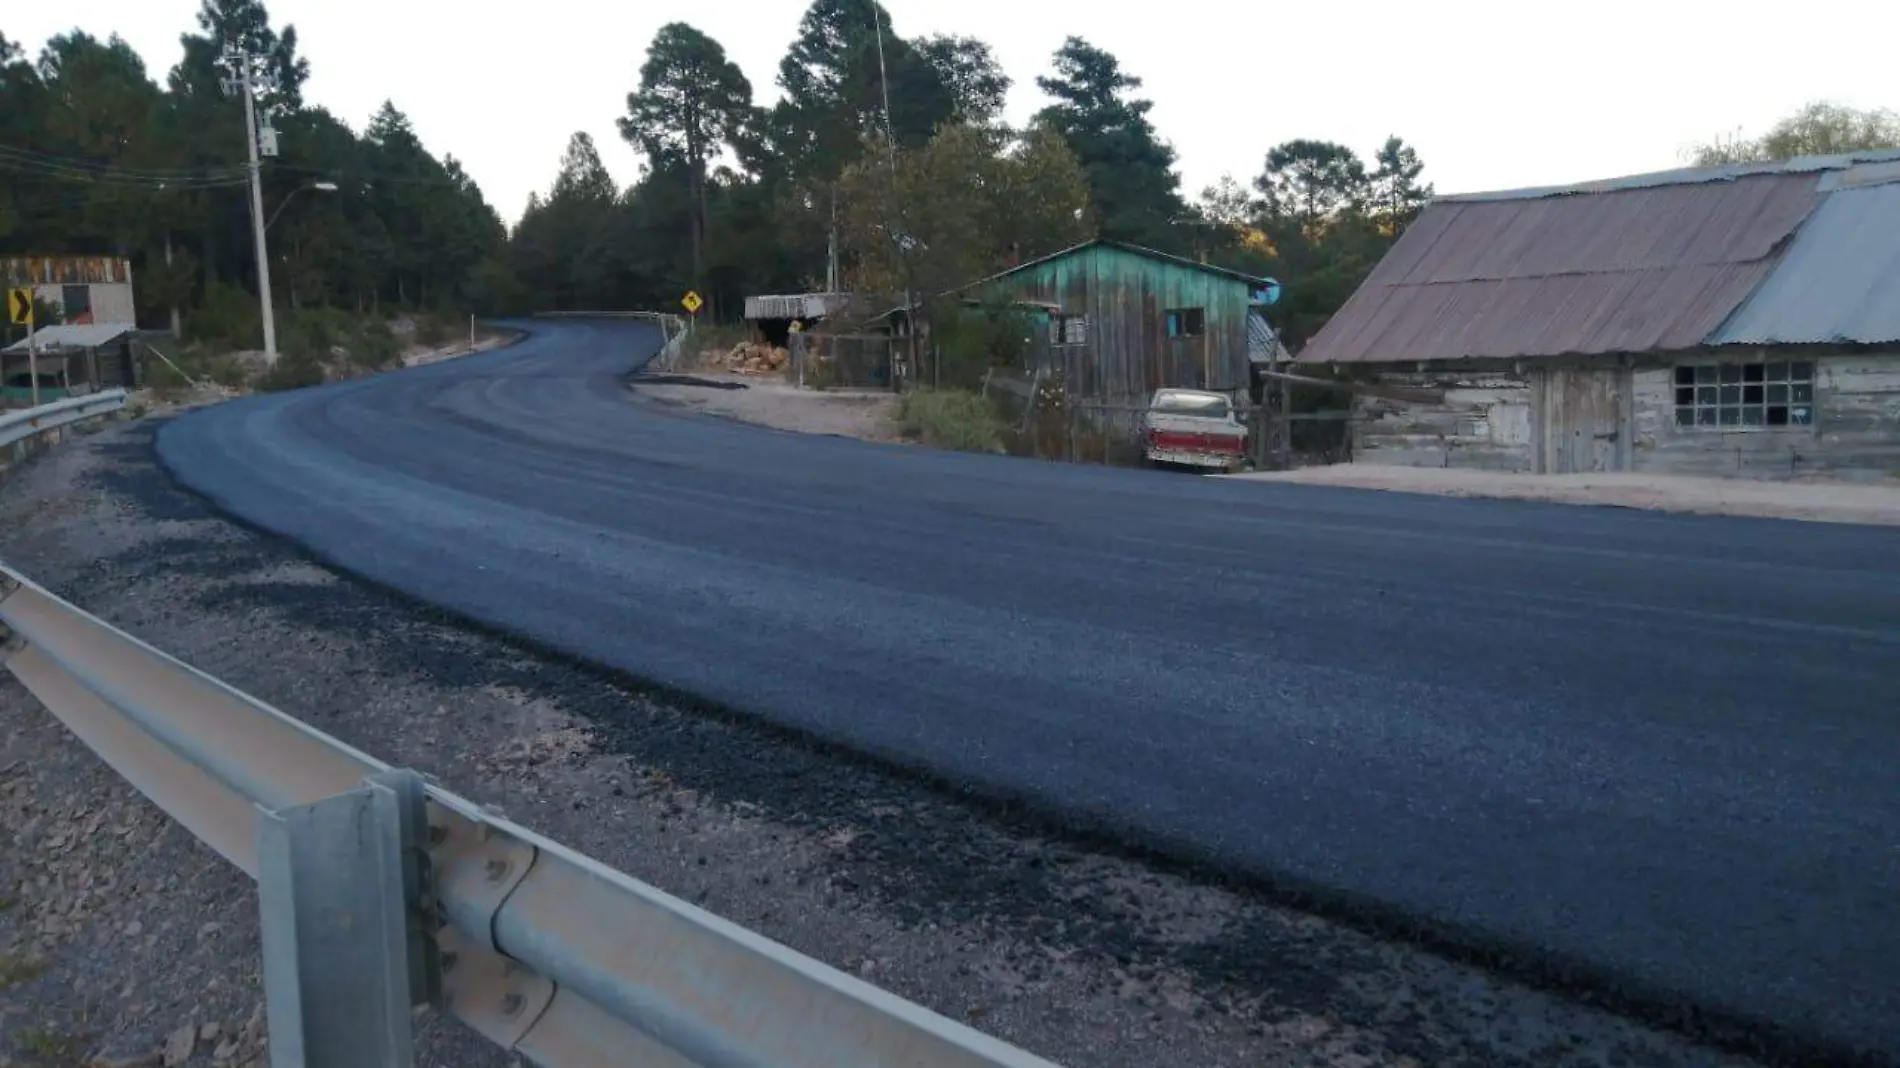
1193, 428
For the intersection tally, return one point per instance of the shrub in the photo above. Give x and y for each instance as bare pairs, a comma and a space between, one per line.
433, 330
952, 419
375, 346
294, 370
228, 318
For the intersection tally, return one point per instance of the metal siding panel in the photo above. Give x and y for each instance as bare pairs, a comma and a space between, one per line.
1838, 283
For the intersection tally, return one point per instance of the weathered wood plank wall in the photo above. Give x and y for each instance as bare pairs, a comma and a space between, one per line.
1489, 416
1855, 436
1484, 422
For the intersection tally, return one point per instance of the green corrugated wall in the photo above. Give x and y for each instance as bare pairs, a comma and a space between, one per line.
1126, 297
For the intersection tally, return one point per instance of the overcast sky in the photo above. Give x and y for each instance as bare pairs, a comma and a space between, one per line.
1494, 93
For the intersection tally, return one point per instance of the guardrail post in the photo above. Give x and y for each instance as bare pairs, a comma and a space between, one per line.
341, 884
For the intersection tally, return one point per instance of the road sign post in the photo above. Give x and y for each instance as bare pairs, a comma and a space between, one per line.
20, 310
692, 303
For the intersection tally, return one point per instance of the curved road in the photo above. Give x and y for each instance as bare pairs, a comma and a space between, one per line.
1665, 749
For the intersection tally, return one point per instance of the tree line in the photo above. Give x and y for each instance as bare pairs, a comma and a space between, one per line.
97, 157
884, 166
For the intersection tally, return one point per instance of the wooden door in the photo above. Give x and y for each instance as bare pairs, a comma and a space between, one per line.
1585, 420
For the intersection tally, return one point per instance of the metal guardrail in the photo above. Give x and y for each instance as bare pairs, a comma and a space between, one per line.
20, 425
381, 891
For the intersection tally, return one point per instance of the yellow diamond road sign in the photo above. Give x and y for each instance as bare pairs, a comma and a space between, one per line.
20, 305
691, 302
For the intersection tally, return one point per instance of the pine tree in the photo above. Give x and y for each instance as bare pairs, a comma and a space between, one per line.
692, 103
1136, 192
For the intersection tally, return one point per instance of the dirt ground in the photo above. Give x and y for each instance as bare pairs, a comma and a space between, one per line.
869, 415
125, 942
1822, 502
417, 355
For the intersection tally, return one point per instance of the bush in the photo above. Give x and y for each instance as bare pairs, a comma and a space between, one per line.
227, 319
294, 370
952, 419
375, 346
434, 331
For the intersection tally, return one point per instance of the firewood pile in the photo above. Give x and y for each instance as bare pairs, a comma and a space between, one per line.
752, 358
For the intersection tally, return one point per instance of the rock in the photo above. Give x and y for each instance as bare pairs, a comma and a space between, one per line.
126, 1060
209, 1032
134, 929
179, 1044
225, 1051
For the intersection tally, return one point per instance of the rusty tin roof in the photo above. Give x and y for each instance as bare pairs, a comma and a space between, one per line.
1649, 263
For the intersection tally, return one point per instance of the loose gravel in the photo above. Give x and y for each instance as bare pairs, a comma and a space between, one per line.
123, 941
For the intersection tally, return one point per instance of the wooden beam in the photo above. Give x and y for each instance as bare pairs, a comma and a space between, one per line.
1370, 389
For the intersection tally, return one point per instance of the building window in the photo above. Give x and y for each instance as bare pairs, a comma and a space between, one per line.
1744, 396
1187, 322
1068, 330
75, 304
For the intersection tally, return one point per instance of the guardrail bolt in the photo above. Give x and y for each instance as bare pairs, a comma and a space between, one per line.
438, 834
497, 870
449, 961
511, 1005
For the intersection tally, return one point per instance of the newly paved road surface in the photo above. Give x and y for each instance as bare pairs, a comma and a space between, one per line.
1667, 747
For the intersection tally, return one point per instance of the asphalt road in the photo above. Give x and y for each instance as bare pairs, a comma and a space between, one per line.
1663, 748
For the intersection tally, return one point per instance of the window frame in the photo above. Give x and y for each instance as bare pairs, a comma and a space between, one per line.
1068, 330
1193, 323
1744, 396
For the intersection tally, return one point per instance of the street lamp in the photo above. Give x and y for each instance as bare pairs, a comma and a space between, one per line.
317, 187
263, 251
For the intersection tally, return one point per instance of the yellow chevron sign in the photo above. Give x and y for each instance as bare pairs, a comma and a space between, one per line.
20, 306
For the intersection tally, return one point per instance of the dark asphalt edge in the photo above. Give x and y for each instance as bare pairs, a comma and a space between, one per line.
1022, 814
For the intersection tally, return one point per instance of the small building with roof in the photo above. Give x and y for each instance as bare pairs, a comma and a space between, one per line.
1122, 321
71, 360
1741, 320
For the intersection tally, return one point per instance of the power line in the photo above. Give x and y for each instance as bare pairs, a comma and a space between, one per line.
40, 165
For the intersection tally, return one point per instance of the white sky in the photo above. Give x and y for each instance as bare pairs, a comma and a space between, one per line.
1494, 93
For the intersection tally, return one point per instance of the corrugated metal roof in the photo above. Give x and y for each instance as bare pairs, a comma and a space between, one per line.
75, 336
1254, 281
1629, 270
1838, 283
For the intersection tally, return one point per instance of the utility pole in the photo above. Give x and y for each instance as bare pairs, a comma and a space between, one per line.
831, 246
245, 80
904, 239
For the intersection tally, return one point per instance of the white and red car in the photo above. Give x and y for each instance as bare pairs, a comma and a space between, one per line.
1193, 428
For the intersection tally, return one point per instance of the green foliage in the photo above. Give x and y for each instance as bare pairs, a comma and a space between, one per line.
1130, 169
952, 419
96, 158
967, 68
435, 331
970, 342
969, 201
226, 317
692, 104
1822, 128
298, 369
18, 971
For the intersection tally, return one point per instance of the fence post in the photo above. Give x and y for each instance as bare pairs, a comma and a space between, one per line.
346, 954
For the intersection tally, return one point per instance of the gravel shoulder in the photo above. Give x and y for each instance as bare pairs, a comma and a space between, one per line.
118, 931
1824, 502
867, 415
